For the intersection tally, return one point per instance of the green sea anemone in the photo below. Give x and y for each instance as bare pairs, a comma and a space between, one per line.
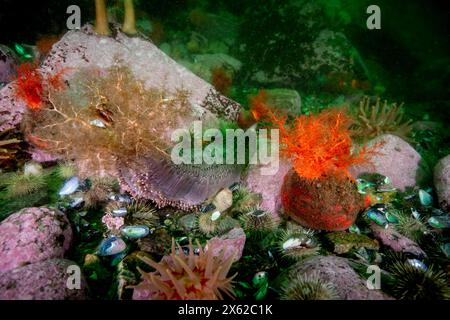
309, 287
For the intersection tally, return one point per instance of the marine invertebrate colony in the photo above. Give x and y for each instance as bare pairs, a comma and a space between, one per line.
182, 276
318, 192
113, 126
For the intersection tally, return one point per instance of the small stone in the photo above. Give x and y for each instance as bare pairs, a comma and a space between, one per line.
223, 200
188, 222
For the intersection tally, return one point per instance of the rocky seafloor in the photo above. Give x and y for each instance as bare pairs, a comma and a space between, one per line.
90, 208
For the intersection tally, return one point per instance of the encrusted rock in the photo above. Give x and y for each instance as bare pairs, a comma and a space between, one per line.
395, 241
442, 182
343, 242
32, 235
394, 158
232, 242
53, 279
349, 285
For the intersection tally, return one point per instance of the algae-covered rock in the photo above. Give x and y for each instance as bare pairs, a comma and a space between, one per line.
337, 271
343, 242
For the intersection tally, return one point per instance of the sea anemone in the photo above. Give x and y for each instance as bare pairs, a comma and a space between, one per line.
372, 120
309, 287
258, 222
182, 276
412, 283
298, 244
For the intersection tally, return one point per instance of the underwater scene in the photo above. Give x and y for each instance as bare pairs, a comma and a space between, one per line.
224, 150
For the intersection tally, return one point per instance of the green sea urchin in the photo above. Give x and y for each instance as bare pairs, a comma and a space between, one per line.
411, 227
18, 185
412, 283
309, 287
258, 222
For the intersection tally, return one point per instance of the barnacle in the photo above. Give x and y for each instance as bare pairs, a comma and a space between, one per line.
309, 287
372, 120
190, 276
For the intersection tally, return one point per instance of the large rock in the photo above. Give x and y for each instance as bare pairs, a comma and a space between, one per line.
32, 235
395, 241
46, 280
83, 48
442, 182
269, 186
394, 158
349, 285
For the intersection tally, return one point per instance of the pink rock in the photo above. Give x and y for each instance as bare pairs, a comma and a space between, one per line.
395, 159
395, 241
32, 235
336, 270
45, 280
232, 242
442, 182
269, 186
